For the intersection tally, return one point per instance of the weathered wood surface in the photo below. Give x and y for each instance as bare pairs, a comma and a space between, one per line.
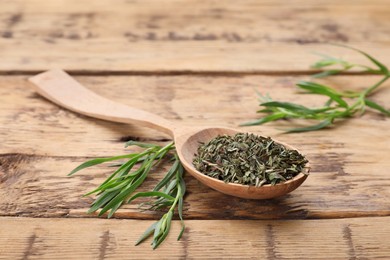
350, 163
189, 100
186, 36
192, 62
360, 238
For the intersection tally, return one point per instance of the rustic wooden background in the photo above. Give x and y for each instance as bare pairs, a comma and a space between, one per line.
193, 62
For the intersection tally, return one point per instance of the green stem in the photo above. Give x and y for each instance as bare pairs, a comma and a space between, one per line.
368, 91
351, 94
179, 193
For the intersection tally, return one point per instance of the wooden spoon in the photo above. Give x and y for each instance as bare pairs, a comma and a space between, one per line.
60, 88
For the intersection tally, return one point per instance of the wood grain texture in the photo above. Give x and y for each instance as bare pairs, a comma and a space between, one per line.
194, 63
29, 238
207, 36
41, 143
33, 125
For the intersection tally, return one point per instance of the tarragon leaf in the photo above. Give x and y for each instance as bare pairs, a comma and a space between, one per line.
326, 73
376, 106
152, 194
323, 90
140, 144
319, 126
381, 66
265, 119
290, 106
159, 238
99, 161
147, 233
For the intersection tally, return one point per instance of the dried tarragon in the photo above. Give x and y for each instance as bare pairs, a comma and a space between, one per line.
248, 159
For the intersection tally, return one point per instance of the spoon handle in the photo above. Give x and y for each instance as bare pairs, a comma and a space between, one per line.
60, 88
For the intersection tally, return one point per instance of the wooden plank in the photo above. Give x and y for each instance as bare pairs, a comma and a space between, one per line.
207, 36
31, 125
38, 187
41, 143
31, 238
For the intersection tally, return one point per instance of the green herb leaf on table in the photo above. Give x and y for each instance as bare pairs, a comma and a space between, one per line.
339, 106
174, 189
121, 186
376, 106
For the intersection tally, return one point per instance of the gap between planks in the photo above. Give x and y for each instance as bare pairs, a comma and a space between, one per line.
181, 73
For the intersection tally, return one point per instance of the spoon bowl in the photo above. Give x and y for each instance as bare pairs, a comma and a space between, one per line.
62, 89
187, 146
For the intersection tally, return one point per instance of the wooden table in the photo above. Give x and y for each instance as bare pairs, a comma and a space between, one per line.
193, 63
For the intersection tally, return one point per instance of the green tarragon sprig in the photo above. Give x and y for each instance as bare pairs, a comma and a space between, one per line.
336, 107
120, 188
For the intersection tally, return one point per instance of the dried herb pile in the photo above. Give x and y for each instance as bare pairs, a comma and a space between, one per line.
248, 159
